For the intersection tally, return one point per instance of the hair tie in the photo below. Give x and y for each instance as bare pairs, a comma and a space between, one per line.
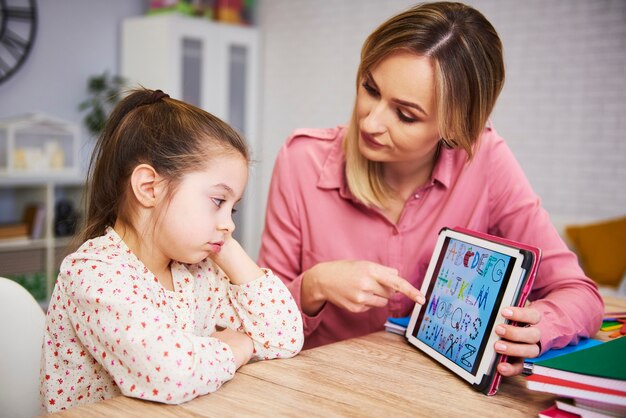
156, 96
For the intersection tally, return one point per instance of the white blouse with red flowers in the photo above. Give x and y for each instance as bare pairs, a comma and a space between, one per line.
113, 329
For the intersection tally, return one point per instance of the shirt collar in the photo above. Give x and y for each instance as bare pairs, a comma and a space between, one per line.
333, 174
444, 167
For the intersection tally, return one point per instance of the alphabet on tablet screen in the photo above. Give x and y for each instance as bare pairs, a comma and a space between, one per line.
482, 297
498, 271
477, 324
481, 261
455, 320
468, 255
462, 290
461, 301
467, 319
469, 353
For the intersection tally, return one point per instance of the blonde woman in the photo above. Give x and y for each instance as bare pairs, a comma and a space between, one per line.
353, 213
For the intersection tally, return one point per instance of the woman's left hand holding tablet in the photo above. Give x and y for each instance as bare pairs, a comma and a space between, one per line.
518, 341
355, 286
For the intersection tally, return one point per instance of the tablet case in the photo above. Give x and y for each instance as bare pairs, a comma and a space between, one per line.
531, 271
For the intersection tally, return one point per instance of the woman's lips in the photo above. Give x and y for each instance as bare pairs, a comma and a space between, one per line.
370, 141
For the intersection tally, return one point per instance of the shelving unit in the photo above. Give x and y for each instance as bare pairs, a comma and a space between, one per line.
39, 255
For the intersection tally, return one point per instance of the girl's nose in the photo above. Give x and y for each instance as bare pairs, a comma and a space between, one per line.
227, 224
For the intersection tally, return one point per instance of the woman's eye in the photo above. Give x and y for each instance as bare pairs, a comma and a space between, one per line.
218, 202
405, 118
371, 90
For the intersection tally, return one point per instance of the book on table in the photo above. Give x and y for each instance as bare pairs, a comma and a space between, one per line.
555, 352
555, 412
587, 410
397, 325
596, 373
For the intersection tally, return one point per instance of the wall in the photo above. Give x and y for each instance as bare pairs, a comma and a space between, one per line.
75, 40
561, 109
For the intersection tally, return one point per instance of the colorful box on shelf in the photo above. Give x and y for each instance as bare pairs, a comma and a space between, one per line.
37, 144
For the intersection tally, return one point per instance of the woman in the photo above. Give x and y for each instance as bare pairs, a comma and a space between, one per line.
353, 213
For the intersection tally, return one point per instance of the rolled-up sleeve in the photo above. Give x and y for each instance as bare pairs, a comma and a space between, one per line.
569, 302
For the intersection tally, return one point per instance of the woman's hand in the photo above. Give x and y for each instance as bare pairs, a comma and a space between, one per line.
239, 343
355, 286
518, 341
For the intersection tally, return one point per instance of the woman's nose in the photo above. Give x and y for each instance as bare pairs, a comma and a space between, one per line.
374, 122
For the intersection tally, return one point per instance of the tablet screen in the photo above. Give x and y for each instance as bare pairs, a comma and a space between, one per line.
459, 313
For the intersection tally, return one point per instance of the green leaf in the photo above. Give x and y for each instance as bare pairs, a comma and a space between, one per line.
104, 93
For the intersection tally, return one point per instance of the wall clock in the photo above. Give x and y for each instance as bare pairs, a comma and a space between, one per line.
18, 27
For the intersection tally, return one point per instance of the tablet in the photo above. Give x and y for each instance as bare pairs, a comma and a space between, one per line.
471, 277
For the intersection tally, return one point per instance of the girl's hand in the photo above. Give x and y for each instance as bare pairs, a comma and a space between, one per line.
239, 343
355, 286
235, 262
518, 341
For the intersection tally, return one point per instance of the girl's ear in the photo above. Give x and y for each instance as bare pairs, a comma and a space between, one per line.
146, 184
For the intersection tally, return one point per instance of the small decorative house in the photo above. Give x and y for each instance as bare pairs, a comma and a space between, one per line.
37, 144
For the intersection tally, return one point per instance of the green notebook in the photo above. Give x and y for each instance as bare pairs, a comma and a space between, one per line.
605, 360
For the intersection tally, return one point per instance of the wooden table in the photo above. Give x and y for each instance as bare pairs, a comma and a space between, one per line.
376, 375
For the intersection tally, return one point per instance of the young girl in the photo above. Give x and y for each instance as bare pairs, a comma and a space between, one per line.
160, 302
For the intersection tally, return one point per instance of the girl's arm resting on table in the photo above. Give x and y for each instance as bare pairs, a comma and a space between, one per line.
265, 311
239, 343
147, 356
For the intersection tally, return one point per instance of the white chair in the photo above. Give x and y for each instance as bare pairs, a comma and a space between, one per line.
21, 336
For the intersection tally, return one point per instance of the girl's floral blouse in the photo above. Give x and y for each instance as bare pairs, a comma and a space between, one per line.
113, 329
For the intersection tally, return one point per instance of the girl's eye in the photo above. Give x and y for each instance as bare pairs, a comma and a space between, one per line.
405, 118
218, 202
234, 210
369, 89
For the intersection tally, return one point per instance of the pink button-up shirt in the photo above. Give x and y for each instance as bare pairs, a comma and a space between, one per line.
312, 217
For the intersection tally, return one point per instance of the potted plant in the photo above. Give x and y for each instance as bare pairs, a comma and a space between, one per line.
104, 92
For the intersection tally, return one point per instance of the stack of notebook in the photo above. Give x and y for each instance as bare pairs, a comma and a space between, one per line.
591, 377
397, 325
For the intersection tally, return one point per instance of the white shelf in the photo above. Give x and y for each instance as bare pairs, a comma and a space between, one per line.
38, 179
27, 244
45, 254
